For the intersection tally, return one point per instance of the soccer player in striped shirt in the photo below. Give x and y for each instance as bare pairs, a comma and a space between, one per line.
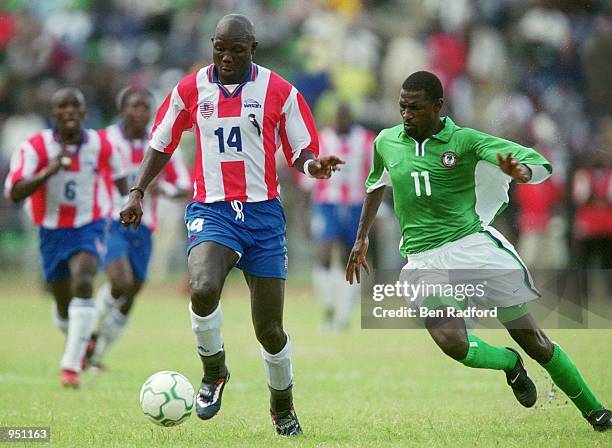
241, 113
448, 185
336, 206
129, 250
65, 175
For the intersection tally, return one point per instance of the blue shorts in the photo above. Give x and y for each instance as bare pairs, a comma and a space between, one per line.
130, 243
255, 230
58, 245
335, 222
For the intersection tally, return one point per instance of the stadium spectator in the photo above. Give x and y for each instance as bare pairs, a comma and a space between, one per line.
592, 195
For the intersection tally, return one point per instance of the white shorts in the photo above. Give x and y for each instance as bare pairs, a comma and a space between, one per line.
482, 270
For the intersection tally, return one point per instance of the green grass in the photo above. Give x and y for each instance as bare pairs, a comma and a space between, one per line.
362, 388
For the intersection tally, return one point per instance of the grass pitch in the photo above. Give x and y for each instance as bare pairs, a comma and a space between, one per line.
373, 388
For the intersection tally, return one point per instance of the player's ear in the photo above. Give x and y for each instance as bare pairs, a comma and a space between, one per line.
254, 47
437, 105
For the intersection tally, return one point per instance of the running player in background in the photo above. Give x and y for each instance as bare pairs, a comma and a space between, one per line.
241, 113
65, 175
128, 249
336, 206
448, 185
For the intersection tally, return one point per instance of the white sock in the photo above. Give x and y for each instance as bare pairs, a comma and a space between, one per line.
322, 279
347, 299
104, 304
81, 319
279, 372
207, 331
113, 327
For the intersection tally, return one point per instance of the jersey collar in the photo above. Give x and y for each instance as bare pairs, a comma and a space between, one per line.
444, 135
250, 76
84, 137
447, 131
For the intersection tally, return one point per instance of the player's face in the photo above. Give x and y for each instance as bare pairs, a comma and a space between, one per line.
137, 111
419, 114
343, 119
232, 57
69, 112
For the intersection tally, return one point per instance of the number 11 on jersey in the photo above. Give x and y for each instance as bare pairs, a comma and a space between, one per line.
417, 182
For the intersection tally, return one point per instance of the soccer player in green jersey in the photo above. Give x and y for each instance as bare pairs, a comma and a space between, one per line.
448, 184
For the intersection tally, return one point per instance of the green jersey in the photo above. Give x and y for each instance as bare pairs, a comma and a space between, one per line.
448, 186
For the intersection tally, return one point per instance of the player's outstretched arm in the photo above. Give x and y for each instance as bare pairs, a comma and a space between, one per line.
26, 187
357, 257
513, 168
154, 161
321, 168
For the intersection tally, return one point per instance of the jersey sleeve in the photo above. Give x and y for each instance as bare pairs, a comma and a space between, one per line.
297, 128
487, 146
24, 163
172, 118
379, 176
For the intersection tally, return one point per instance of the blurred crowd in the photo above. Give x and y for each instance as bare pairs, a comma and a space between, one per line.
535, 71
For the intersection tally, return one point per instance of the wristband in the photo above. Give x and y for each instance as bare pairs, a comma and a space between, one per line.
139, 190
306, 165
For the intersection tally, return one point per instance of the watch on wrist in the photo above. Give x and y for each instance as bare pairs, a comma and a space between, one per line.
306, 165
139, 190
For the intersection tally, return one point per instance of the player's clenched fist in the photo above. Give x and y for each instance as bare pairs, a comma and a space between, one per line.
131, 213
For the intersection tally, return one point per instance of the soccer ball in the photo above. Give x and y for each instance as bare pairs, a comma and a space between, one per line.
166, 398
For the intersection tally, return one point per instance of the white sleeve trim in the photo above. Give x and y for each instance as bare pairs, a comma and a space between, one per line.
383, 181
157, 147
539, 174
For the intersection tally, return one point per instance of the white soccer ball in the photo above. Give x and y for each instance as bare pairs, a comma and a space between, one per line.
166, 398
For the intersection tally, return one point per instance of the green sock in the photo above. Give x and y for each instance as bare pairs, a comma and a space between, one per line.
565, 374
484, 356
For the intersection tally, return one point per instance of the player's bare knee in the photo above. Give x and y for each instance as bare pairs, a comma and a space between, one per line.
271, 336
82, 285
204, 296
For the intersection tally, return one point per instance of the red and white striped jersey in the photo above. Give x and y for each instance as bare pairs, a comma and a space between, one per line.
347, 186
174, 176
74, 196
238, 130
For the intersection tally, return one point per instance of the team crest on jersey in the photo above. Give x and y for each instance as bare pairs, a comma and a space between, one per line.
449, 159
251, 103
207, 108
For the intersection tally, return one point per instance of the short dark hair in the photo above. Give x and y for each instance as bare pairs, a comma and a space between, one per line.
124, 95
426, 81
242, 22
